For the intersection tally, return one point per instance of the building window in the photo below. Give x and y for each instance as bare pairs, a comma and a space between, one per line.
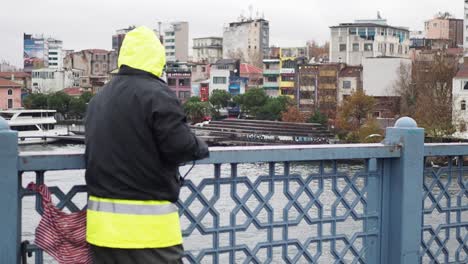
184, 82
272, 79
171, 82
10, 92
465, 87
435, 25
184, 94
287, 78
219, 80
346, 84
10, 103
377, 114
203, 69
356, 47
342, 47
392, 48
267, 66
463, 105
368, 47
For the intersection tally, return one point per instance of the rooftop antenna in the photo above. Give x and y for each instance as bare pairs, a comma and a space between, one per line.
250, 11
379, 16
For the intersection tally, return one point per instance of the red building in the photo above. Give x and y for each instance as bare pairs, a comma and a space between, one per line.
10, 94
179, 81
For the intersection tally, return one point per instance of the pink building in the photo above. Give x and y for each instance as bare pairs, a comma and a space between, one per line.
445, 28
10, 94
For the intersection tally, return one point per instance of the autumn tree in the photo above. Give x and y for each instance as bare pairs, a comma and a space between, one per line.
294, 115
426, 93
318, 51
354, 117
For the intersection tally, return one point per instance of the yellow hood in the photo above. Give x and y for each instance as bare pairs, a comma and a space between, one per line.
142, 50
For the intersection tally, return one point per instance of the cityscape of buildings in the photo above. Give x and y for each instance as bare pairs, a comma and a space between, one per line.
362, 54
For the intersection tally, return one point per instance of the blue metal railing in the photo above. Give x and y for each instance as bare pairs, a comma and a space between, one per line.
368, 203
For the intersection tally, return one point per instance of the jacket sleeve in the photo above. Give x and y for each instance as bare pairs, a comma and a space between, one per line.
176, 142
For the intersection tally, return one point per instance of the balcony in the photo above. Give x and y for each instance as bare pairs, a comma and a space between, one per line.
271, 71
287, 84
271, 85
394, 202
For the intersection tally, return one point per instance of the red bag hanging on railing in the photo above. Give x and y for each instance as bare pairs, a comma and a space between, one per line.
61, 235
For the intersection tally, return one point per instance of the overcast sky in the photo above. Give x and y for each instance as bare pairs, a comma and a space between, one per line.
83, 24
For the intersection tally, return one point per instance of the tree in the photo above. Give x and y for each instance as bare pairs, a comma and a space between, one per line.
77, 108
59, 101
35, 101
293, 115
273, 108
219, 99
195, 109
252, 101
355, 111
318, 51
86, 97
318, 118
369, 132
426, 93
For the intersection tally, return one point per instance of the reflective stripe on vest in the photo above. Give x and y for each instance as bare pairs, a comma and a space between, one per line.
116, 223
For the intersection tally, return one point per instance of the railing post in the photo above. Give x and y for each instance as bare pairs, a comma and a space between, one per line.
402, 195
10, 228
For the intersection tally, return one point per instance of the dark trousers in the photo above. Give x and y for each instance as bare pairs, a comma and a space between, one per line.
170, 255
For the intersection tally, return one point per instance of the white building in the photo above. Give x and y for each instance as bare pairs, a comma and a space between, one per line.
55, 54
209, 49
380, 75
247, 40
49, 80
176, 42
460, 100
351, 42
220, 73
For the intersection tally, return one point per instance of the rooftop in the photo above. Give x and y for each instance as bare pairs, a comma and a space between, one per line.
248, 69
351, 71
346, 25
219, 38
73, 91
7, 75
7, 83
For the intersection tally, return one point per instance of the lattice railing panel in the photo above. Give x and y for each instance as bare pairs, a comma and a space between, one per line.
445, 203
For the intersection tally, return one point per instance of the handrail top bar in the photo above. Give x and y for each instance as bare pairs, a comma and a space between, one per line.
219, 155
445, 149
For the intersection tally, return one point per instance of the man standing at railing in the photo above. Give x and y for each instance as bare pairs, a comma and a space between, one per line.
136, 136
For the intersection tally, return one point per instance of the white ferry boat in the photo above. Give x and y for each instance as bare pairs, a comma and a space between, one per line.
33, 126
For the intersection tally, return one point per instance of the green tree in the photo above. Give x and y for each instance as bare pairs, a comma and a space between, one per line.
59, 101
77, 108
318, 118
273, 108
253, 100
219, 99
86, 97
35, 101
195, 109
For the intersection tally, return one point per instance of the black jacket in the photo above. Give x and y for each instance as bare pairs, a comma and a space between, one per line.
136, 136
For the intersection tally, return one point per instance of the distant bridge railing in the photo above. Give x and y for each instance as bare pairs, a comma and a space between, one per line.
396, 202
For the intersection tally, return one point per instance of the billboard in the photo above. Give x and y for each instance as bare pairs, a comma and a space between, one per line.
34, 55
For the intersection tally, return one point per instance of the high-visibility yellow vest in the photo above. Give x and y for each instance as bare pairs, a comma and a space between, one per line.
131, 224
